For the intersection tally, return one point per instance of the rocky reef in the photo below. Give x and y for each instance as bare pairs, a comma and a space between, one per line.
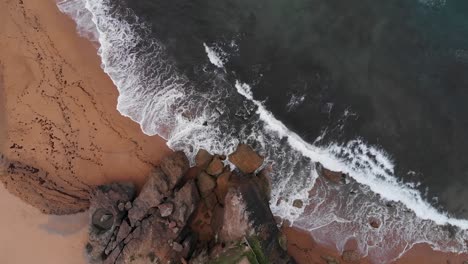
204, 214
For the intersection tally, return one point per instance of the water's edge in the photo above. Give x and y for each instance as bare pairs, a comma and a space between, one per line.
190, 120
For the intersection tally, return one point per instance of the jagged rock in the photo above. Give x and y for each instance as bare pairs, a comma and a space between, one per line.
246, 159
152, 242
175, 166
222, 186
203, 158
247, 214
185, 201
350, 256
206, 184
215, 167
298, 203
151, 195
105, 217
166, 209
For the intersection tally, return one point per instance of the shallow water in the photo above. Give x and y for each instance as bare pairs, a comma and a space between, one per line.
374, 89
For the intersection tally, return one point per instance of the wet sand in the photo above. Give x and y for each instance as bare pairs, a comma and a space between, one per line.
60, 135
305, 250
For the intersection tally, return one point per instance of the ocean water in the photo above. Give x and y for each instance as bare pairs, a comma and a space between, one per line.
375, 89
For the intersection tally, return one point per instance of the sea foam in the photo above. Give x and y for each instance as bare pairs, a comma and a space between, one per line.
163, 101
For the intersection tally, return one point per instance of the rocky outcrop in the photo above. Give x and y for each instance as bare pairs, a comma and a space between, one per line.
219, 216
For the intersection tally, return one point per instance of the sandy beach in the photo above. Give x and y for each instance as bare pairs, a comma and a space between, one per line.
60, 135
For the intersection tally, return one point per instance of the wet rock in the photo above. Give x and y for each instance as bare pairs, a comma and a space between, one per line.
203, 158
215, 167
206, 184
374, 222
222, 186
332, 176
175, 166
298, 203
151, 195
166, 209
246, 159
351, 256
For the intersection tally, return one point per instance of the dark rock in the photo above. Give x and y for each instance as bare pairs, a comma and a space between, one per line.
166, 209
246, 159
206, 184
203, 158
128, 205
222, 186
211, 201
121, 206
215, 167
298, 203
151, 195
175, 166
374, 222
105, 217
350, 256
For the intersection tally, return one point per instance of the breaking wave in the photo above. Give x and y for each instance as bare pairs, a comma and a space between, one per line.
217, 113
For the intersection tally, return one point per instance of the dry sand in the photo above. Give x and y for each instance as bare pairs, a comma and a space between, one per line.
28, 236
60, 135
63, 133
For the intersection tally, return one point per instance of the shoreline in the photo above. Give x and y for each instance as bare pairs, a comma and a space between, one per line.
115, 148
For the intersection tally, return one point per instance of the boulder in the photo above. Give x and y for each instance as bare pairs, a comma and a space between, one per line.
175, 167
222, 186
203, 158
215, 167
154, 190
185, 201
246, 159
206, 184
298, 203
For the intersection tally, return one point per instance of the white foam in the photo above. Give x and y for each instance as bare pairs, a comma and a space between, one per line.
214, 57
153, 93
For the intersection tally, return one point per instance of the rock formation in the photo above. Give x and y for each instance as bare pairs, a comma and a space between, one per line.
218, 216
